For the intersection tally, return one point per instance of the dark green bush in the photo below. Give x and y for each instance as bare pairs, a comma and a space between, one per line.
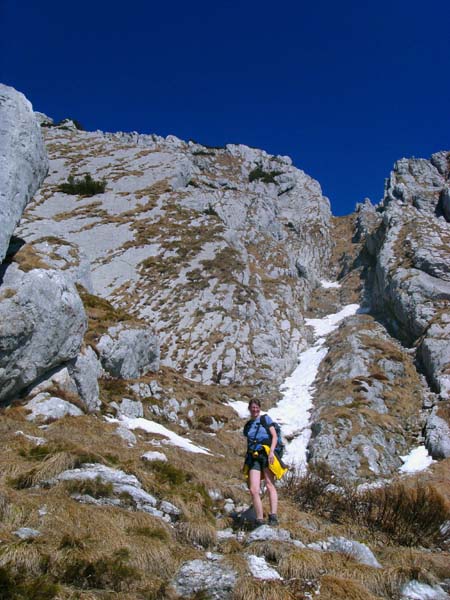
83, 187
264, 176
167, 473
14, 587
108, 572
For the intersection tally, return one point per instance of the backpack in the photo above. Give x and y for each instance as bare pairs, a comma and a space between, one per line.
279, 448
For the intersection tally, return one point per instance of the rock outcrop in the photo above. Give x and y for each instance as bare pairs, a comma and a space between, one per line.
23, 160
367, 407
129, 352
43, 323
412, 274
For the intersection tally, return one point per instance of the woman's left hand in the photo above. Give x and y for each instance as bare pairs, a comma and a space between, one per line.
271, 458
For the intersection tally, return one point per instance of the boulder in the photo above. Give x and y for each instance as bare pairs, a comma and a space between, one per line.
46, 408
27, 533
414, 590
133, 409
65, 256
43, 323
359, 552
437, 433
213, 579
266, 533
128, 352
154, 455
23, 161
85, 371
260, 569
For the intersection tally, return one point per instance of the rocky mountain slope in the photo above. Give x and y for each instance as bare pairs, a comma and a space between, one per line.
138, 316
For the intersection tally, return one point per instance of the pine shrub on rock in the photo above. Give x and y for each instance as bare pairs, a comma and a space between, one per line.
86, 186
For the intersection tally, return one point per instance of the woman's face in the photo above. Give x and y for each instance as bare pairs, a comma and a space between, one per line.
254, 410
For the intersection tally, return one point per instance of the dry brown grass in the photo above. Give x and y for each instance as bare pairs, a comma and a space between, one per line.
248, 588
198, 533
339, 588
28, 258
407, 513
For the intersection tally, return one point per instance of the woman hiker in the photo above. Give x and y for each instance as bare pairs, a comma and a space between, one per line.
257, 461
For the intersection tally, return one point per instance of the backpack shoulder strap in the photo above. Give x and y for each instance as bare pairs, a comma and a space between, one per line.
247, 427
264, 423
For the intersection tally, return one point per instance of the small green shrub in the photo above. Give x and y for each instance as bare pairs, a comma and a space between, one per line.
37, 452
202, 153
77, 124
107, 572
83, 187
210, 210
18, 588
92, 487
167, 473
153, 533
265, 176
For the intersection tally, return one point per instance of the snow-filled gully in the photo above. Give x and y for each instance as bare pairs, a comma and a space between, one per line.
293, 410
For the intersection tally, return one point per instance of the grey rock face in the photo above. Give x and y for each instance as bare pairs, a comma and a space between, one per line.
47, 408
266, 533
129, 353
434, 352
368, 401
360, 552
42, 119
412, 273
215, 579
43, 323
27, 533
65, 256
437, 434
215, 250
23, 161
414, 590
85, 371
132, 409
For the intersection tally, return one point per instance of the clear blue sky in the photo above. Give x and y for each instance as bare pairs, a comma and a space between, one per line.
343, 87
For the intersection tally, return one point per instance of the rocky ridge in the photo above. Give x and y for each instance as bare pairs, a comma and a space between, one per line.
209, 260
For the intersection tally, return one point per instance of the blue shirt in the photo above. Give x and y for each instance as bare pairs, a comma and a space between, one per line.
257, 433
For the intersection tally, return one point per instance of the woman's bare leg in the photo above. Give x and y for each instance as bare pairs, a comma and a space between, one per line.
254, 485
272, 490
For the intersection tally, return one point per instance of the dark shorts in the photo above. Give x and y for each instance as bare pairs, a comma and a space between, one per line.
258, 463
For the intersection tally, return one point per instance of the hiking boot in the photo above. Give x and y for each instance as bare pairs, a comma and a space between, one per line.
273, 520
259, 522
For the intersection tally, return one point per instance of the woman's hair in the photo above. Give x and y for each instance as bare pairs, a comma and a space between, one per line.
254, 401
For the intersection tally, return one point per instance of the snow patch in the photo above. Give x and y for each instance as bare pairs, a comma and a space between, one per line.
417, 460
329, 323
329, 284
152, 427
240, 407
